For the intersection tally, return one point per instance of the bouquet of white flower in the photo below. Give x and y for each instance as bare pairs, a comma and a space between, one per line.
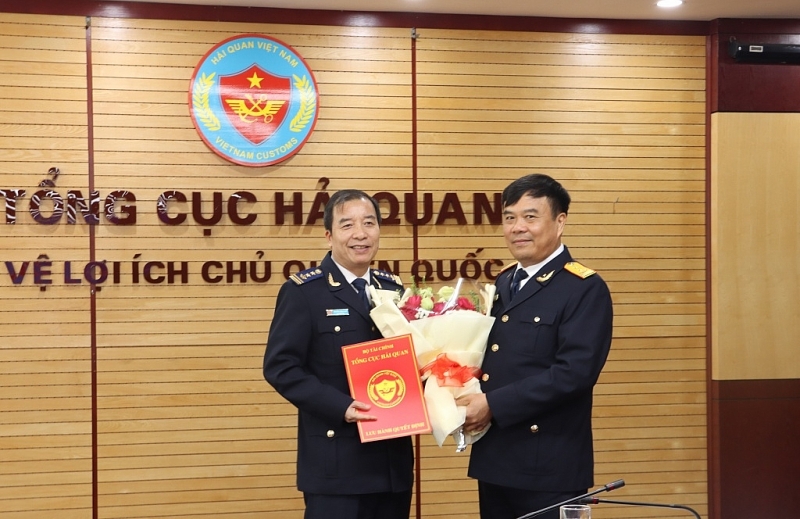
449, 330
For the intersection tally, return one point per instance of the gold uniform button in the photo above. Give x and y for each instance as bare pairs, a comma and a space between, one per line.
337, 328
495, 347
504, 318
485, 377
537, 319
534, 428
330, 433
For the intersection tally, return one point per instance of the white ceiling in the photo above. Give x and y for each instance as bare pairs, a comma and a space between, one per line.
700, 10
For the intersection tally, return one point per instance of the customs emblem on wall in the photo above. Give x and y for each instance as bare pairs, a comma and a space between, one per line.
253, 100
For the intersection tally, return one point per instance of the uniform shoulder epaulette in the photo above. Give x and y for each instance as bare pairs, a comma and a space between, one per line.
306, 275
387, 276
579, 270
512, 264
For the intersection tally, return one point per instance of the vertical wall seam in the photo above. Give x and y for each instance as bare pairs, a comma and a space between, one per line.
415, 242
712, 415
415, 226
93, 288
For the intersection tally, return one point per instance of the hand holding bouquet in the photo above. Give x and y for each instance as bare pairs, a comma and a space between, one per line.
449, 330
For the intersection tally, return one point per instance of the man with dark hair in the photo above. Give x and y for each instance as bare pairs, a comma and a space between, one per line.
318, 311
550, 340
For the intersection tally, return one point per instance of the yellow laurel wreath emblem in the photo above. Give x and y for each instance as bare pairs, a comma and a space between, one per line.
308, 104
200, 102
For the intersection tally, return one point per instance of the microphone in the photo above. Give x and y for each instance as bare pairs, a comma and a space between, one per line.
594, 501
605, 488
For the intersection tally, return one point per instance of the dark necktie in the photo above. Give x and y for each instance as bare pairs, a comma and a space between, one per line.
361, 288
518, 277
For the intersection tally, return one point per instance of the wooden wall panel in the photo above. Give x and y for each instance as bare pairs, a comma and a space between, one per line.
187, 423
755, 160
753, 87
769, 450
45, 382
620, 120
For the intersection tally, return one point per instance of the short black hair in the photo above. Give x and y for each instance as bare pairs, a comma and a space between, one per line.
538, 185
346, 195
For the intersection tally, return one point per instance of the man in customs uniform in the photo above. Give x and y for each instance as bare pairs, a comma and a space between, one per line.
550, 340
317, 312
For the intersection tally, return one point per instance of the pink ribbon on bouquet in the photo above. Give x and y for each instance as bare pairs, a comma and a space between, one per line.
449, 372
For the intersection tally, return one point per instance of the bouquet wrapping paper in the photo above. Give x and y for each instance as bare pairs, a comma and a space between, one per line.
449, 348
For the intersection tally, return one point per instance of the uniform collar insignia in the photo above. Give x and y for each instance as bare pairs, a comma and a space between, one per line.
545, 277
332, 282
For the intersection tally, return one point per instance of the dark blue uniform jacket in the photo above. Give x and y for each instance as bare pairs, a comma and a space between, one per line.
316, 313
545, 353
